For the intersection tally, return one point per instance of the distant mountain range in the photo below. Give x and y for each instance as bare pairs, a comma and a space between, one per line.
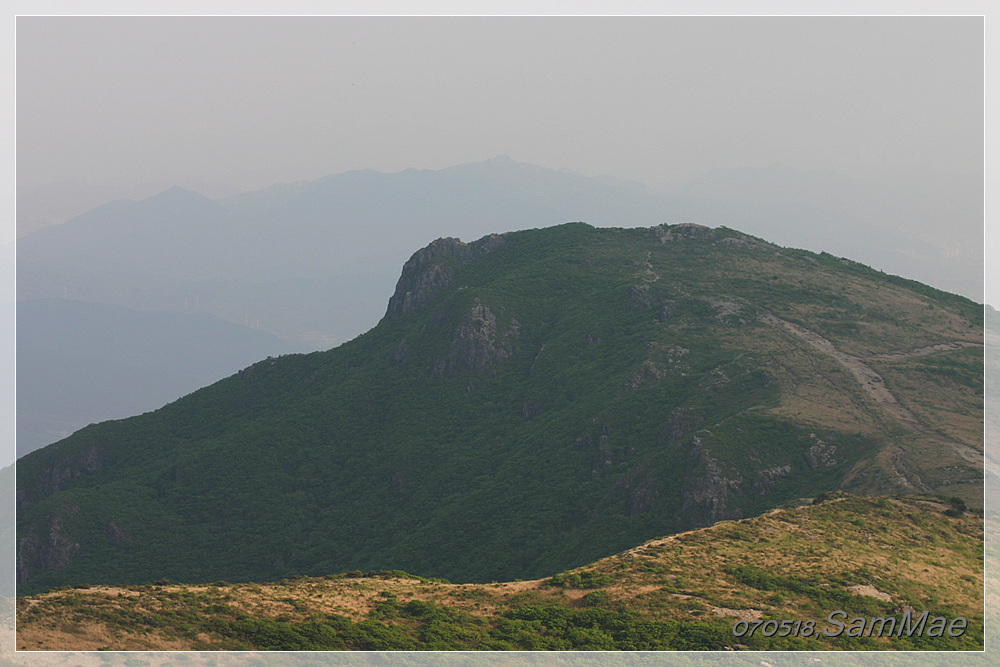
55, 203
312, 260
530, 402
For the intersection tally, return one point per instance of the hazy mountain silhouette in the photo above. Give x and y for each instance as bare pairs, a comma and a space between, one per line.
87, 362
311, 260
926, 226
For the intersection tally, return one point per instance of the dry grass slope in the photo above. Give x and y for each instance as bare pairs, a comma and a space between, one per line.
874, 555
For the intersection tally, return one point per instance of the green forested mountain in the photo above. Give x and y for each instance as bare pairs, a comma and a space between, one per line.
530, 402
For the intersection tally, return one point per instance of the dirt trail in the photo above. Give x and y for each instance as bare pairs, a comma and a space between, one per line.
874, 385
870, 381
648, 269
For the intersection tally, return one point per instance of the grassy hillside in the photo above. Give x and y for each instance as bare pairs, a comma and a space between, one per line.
870, 557
530, 403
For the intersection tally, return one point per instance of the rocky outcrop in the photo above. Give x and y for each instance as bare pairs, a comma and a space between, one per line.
431, 268
682, 231
647, 372
401, 352
766, 478
708, 495
636, 491
479, 344
639, 297
820, 454
662, 361
45, 550
681, 422
667, 310
640, 489
741, 240
728, 310
63, 469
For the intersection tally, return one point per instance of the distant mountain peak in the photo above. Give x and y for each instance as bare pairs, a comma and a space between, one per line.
179, 201
176, 192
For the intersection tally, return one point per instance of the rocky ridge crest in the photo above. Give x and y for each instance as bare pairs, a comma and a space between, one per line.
424, 273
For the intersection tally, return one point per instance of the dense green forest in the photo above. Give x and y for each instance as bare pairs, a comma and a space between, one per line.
530, 403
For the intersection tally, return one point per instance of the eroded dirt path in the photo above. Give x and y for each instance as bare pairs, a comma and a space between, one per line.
870, 381
873, 384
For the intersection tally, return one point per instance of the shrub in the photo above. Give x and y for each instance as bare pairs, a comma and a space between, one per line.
595, 599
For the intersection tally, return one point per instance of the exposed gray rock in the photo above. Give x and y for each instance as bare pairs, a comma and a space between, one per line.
667, 310
647, 372
43, 553
63, 469
680, 423
640, 299
767, 477
743, 241
116, 535
426, 271
642, 492
605, 459
418, 287
638, 489
820, 454
478, 344
728, 310
661, 362
707, 495
400, 353
681, 231
692, 231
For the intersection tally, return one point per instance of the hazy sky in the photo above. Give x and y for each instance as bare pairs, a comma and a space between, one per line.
245, 102
248, 102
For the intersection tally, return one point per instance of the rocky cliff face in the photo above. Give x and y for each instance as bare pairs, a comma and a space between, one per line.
478, 344
431, 268
708, 494
45, 551
62, 469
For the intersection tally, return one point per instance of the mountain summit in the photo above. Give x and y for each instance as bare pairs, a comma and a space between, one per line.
531, 401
